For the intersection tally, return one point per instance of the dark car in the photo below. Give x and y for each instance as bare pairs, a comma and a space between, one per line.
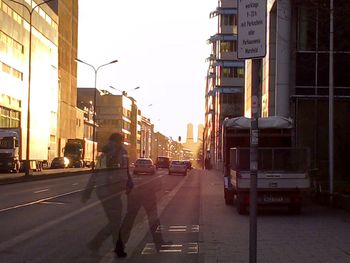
163, 162
188, 164
59, 162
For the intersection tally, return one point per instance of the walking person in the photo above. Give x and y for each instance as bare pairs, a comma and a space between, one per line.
105, 181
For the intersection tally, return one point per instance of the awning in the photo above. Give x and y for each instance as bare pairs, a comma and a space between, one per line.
269, 122
222, 37
229, 64
223, 11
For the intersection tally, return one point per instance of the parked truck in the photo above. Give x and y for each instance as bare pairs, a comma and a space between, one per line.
282, 169
13, 149
10, 150
79, 152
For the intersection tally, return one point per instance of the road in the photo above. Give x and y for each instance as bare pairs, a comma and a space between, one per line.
164, 219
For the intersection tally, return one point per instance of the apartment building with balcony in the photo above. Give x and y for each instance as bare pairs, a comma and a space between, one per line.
225, 79
147, 130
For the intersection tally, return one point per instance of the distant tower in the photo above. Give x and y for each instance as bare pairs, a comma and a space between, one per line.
189, 138
200, 133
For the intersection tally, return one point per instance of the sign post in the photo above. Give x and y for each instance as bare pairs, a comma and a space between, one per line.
252, 45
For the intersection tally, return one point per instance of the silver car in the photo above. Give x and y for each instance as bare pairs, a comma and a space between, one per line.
178, 167
144, 165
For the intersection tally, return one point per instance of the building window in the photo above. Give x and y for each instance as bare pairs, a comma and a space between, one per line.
17, 74
6, 68
228, 20
232, 73
9, 118
10, 42
228, 46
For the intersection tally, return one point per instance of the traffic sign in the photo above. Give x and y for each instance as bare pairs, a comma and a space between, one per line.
251, 28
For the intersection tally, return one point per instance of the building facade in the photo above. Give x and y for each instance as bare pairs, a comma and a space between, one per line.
113, 114
67, 53
296, 78
14, 74
146, 137
225, 79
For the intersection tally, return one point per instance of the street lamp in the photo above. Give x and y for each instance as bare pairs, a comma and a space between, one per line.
30, 12
94, 103
124, 92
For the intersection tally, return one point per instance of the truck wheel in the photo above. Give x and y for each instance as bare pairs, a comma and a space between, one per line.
17, 167
229, 197
295, 209
241, 208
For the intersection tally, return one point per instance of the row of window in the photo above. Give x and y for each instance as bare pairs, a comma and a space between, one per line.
8, 10
232, 72
233, 99
228, 46
10, 42
9, 118
230, 20
115, 123
11, 71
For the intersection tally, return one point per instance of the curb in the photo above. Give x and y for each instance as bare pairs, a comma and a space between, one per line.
44, 176
37, 177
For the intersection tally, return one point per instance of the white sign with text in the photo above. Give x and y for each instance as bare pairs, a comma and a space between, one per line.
251, 28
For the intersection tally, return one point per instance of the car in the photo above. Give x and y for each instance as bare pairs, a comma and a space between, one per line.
178, 166
162, 162
59, 162
189, 164
144, 165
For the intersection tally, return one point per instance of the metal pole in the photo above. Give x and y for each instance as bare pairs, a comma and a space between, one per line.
30, 12
254, 142
94, 122
27, 165
94, 101
331, 103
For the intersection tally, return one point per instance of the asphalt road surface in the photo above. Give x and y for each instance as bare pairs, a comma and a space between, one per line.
71, 220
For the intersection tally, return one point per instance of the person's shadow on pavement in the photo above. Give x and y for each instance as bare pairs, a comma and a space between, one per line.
107, 190
143, 195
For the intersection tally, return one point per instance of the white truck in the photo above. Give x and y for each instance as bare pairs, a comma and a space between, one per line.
10, 150
282, 169
79, 152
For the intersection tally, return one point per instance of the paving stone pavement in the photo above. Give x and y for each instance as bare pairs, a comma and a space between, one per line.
318, 234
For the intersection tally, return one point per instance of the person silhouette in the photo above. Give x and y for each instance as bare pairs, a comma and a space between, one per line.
144, 195
105, 180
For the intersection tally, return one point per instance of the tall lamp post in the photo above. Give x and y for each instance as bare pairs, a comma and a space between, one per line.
94, 103
30, 12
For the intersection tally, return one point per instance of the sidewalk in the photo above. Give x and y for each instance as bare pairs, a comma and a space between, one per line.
319, 234
221, 240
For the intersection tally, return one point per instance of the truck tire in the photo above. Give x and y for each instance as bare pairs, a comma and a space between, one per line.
295, 208
229, 197
17, 167
242, 208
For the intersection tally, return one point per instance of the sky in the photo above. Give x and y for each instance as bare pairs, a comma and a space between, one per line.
161, 47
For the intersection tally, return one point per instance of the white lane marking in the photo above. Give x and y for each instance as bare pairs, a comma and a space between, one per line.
39, 201
41, 191
37, 230
52, 203
45, 199
188, 248
178, 228
75, 184
141, 229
